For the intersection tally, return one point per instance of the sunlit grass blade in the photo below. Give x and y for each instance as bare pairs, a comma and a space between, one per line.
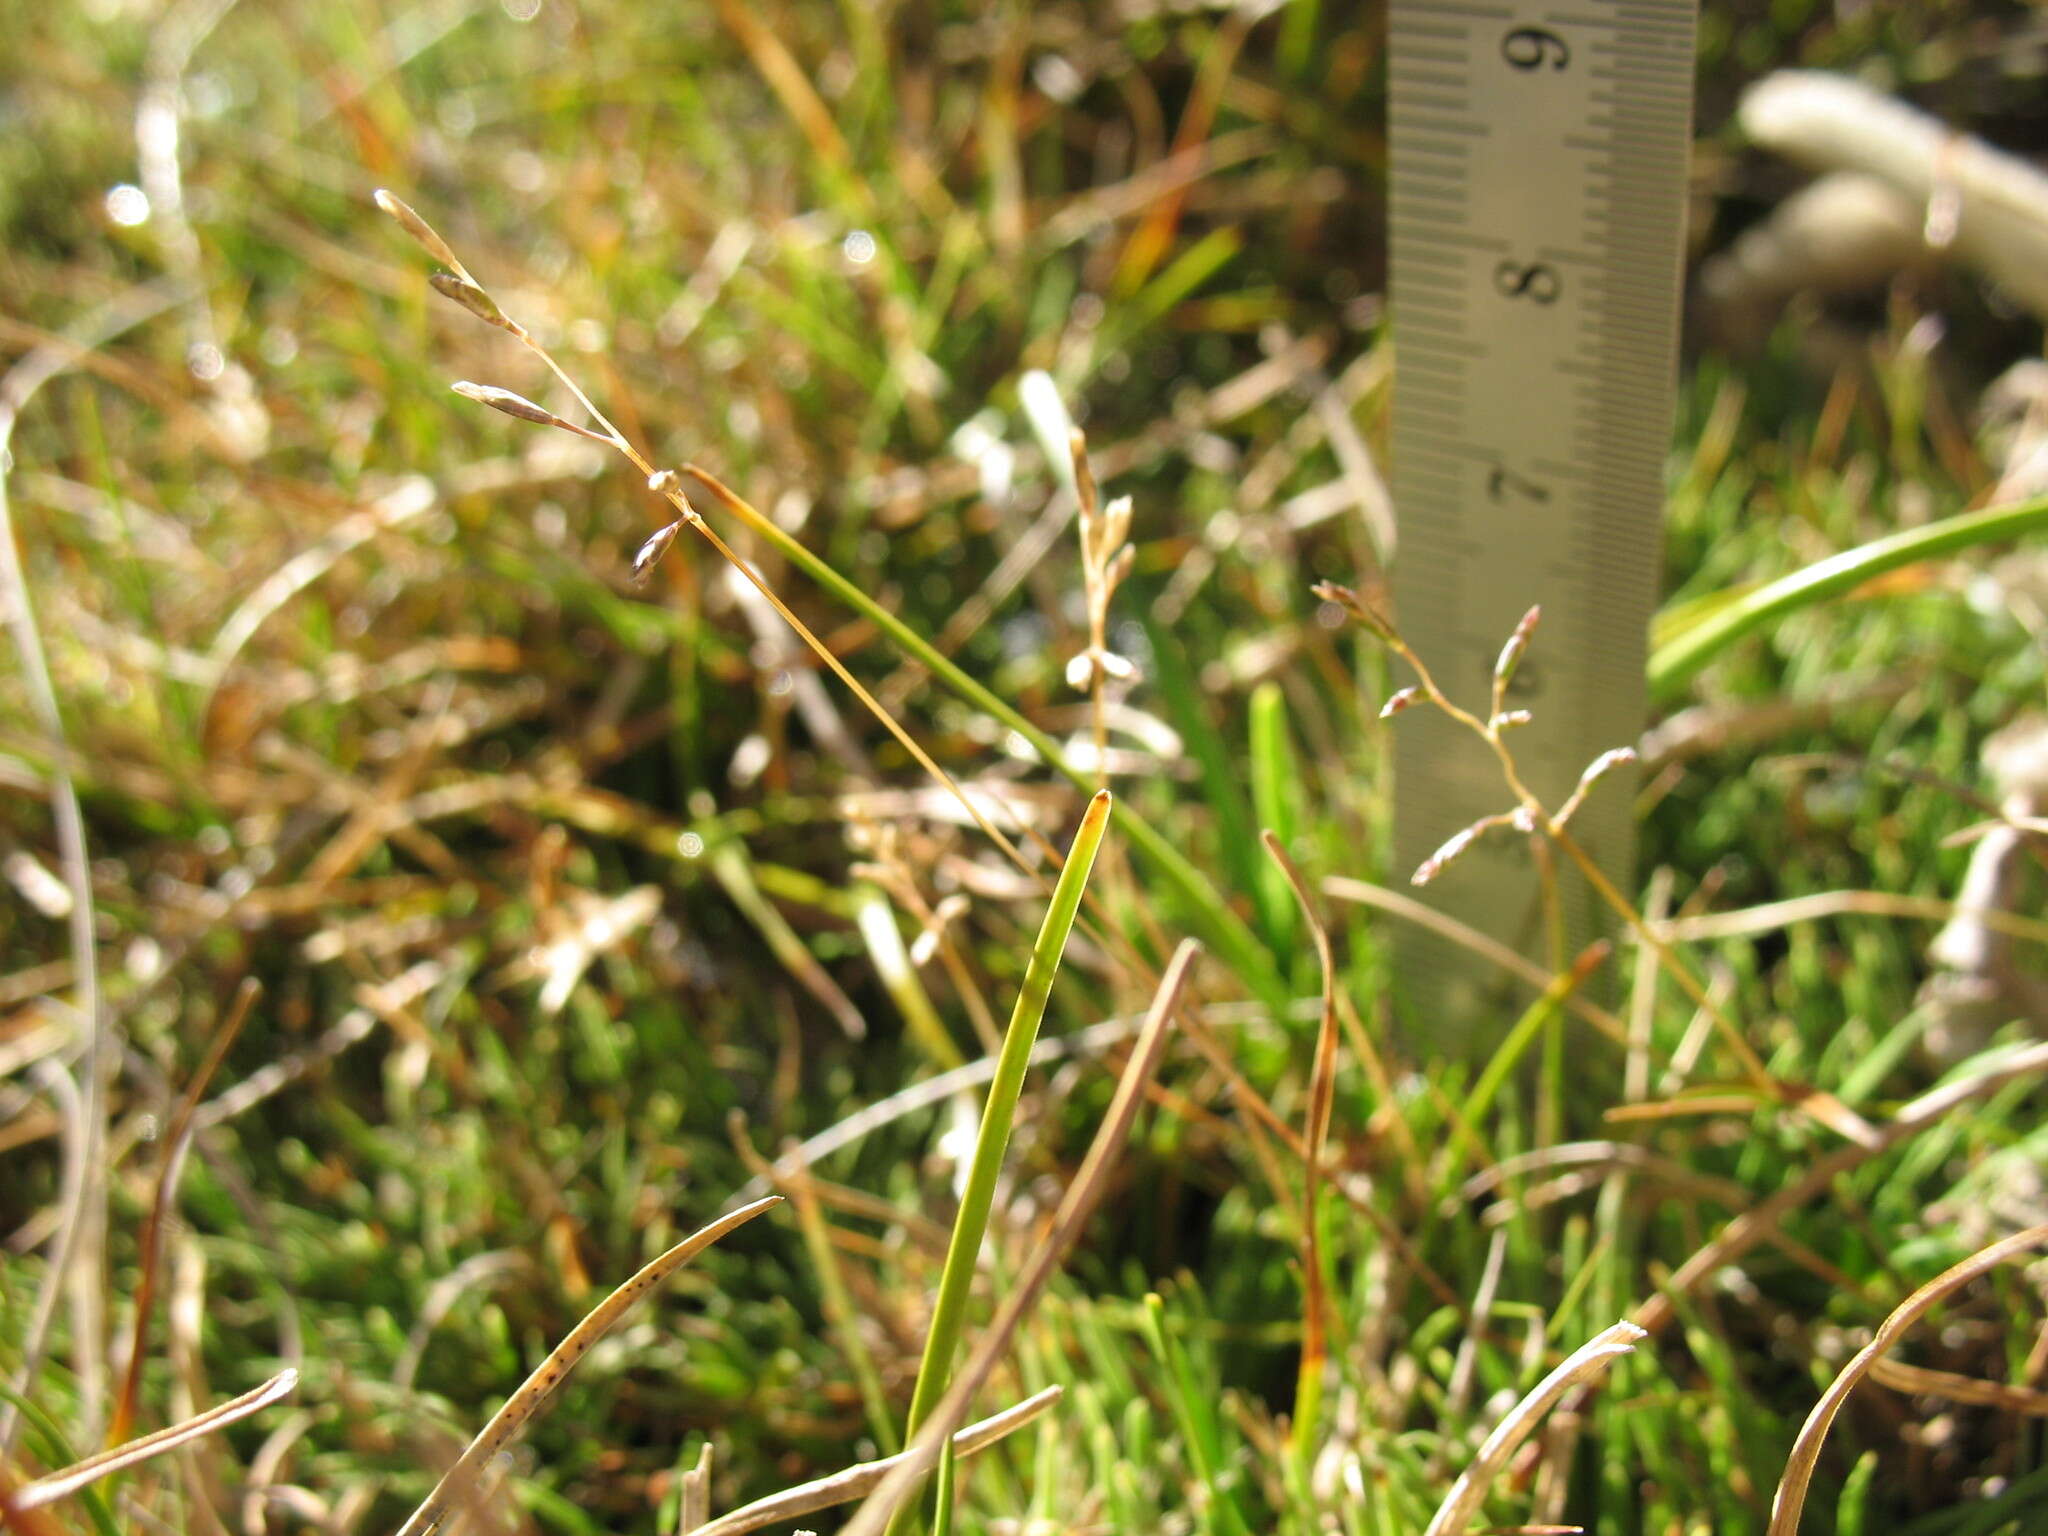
999, 1111
1677, 659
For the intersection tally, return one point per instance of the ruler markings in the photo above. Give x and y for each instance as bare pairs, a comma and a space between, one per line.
1457, 81
1448, 145
1440, 103
1403, 28
1457, 237
1534, 300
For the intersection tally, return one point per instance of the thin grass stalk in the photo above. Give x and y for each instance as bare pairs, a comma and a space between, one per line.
1078, 1204
949, 1313
460, 1480
1790, 1500
1399, 904
1225, 930
1232, 940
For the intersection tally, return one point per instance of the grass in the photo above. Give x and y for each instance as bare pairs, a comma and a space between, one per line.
576, 903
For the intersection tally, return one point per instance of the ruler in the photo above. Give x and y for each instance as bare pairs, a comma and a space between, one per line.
1538, 192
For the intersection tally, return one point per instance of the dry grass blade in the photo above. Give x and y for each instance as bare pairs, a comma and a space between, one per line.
1760, 1221
1455, 1514
176, 1144
845, 1486
1973, 1390
1791, 1497
59, 1485
1075, 1208
460, 1480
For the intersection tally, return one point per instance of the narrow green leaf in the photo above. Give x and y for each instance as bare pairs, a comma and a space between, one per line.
999, 1111
1675, 661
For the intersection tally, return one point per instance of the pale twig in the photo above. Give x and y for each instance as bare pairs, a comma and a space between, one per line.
1074, 1210
58, 1485
1589, 1360
693, 1504
460, 1480
1791, 1496
1747, 922
845, 1486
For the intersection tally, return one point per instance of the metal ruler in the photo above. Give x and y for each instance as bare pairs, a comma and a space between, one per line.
1539, 180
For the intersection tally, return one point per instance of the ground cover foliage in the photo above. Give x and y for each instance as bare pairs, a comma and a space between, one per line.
574, 902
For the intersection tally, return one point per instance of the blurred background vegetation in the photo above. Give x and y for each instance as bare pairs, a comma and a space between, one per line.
556, 886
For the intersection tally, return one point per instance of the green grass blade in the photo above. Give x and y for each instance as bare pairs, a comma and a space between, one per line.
999, 1110
1675, 661
1275, 777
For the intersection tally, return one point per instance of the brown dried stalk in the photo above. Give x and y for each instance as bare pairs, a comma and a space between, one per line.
177, 1142
1322, 1095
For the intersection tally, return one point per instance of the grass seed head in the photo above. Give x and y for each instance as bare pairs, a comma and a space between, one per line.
651, 552
470, 297
419, 229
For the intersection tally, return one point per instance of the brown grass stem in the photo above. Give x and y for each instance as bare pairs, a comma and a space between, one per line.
177, 1142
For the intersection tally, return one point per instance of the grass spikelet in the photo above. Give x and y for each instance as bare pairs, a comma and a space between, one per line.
424, 233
